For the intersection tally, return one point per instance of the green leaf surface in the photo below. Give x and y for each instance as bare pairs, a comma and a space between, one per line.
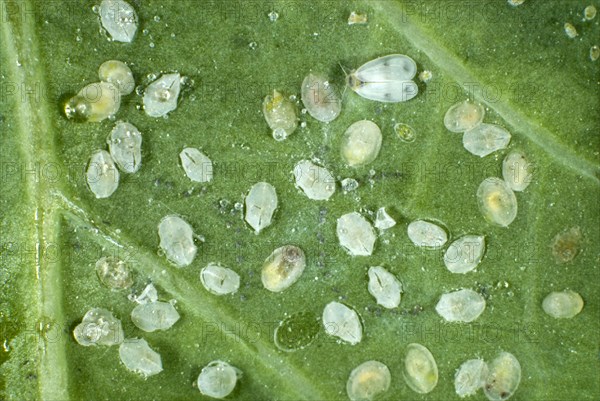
518, 61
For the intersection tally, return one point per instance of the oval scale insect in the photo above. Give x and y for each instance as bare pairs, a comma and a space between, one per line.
95, 102
460, 306
119, 74
361, 143
219, 280
119, 19
283, 268
356, 234
497, 201
137, 356
563, 305
420, 369
368, 380
218, 379
177, 240
320, 98
154, 316
386, 79
316, 182
99, 327
503, 378
113, 273
342, 322
470, 377
261, 203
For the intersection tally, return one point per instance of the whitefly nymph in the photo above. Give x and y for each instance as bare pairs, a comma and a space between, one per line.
503, 378
497, 201
563, 304
113, 273
153, 316
464, 254
99, 327
119, 74
125, 146
426, 234
219, 280
361, 143
356, 234
119, 19
280, 114
283, 268
460, 306
218, 379
485, 139
137, 356
160, 97
517, 170
316, 182
384, 287
368, 380
470, 377
261, 203
386, 79
95, 102
197, 166
297, 331
102, 175
320, 98
177, 240
342, 322
463, 116
420, 369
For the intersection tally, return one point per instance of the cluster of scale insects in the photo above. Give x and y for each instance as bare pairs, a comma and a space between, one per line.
387, 79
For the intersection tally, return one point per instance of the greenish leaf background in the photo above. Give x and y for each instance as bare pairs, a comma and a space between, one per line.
533, 79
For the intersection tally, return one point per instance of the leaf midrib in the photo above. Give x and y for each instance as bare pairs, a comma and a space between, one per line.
37, 136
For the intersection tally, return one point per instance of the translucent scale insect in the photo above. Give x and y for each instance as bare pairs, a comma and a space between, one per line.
99, 327
154, 316
283, 268
119, 19
94, 103
160, 97
119, 74
368, 380
386, 79
470, 377
563, 305
137, 356
503, 378
420, 369
218, 379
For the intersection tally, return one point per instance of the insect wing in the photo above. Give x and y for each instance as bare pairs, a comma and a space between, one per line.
388, 92
395, 67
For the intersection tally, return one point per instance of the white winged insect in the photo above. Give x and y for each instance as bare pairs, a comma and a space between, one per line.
386, 79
